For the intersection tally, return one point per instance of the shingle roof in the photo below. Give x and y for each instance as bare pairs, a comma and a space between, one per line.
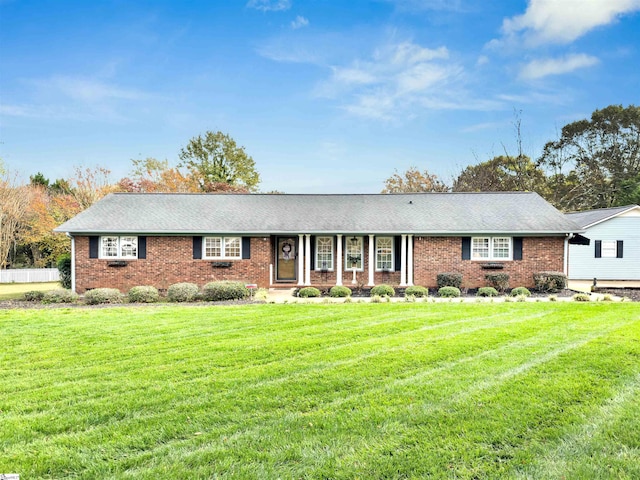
417, 213
590, 217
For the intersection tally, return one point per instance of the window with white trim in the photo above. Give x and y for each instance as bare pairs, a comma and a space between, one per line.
324, 253
222, 247
491, 248
115, 247
384, 253
354, 254
609, 249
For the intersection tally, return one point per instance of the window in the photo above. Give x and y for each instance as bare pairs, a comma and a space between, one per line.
491, 248
119, 247
609, 249
354, 254
324, 253
222, 247
384, 253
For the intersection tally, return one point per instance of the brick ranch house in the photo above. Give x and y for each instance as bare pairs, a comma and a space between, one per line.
126, 239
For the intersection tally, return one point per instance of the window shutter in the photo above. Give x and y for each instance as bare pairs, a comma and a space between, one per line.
142, 247
94, 244
619, 249
466, 248
517, 248
598, 248
246, 248
197, 248
313, 252
397, 253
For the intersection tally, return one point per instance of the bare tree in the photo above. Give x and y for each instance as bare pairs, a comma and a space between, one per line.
14, 202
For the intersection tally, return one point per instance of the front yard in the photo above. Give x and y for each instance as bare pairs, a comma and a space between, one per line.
392, 390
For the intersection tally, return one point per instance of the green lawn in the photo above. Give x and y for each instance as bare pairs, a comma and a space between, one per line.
15, 291
518, 390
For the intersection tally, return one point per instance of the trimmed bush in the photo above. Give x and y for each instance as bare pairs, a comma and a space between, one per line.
34, 296
417, 291
144, 294
516, 292
64, 267
449, 280
182, 292
449, 292
582, 297
487, 292
376, 299
307, 292
60, 296
103, 295
550, 281
499, 281
340, 291
226, 290
383, 290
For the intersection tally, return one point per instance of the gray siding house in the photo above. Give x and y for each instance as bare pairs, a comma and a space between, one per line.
614, 250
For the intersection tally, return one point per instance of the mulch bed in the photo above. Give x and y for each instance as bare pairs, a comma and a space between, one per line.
631, 293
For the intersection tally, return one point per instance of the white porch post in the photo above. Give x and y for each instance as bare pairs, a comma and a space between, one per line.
307, 259
409, 260
403, 260
372, 261
339, 262
300, 259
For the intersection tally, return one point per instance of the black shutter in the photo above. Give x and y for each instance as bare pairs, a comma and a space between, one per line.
517, 248
142, 247
466, 248
197, 248
94, 243
246, 248
312, 252
598, 248
619, 249
397, 253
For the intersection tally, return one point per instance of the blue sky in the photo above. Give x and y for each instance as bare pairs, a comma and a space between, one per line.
326, 96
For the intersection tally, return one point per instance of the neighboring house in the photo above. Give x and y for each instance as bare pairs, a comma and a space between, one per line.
614, 249
128, 239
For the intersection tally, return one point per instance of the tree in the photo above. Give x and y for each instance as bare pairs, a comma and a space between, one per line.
215, 159
151, 175
90, 185
595, 163
502, 174
14, 202
414, 180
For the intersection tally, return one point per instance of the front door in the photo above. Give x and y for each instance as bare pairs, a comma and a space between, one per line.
286, 256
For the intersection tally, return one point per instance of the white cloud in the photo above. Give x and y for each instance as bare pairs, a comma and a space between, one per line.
563, 21
299, 22
270, 5
91, 91
540, 68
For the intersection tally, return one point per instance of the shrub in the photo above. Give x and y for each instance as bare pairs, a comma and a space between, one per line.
383, 290
182, 292
376, 299
144, 294
607, 297
499, 281
409, 298
520, 291
307, 292
34, 296
581, 297
487, 292
340, 291
417, 291
64, 267
103, 295
60, 296
521, 298
550, 281
449, 280
227, 290
449, 292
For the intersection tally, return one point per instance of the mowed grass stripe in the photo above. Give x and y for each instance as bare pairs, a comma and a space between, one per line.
142, 432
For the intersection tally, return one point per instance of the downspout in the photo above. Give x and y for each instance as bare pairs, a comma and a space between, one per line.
73, 262
566, 253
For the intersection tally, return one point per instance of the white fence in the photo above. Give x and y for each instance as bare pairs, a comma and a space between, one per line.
29, 275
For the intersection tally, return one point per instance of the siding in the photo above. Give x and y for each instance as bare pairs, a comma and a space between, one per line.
584, 265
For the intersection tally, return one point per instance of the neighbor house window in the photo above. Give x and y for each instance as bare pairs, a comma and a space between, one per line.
354, 254
609, 248
384, 253
119, 247
324, 253
491, 248
222, 247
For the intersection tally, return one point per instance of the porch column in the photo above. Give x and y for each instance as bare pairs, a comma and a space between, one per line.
307, 259
300, 259
372, 261
339, 262
403, 260
409, 260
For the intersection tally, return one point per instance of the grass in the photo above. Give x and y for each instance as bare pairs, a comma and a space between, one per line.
518, 390
16, 291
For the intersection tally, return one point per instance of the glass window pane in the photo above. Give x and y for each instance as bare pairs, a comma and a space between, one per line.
324, 253
129, 247
353, 259
480, 247
384, 253
109, 246
232, 247
213, 247
609, 249
501, 247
